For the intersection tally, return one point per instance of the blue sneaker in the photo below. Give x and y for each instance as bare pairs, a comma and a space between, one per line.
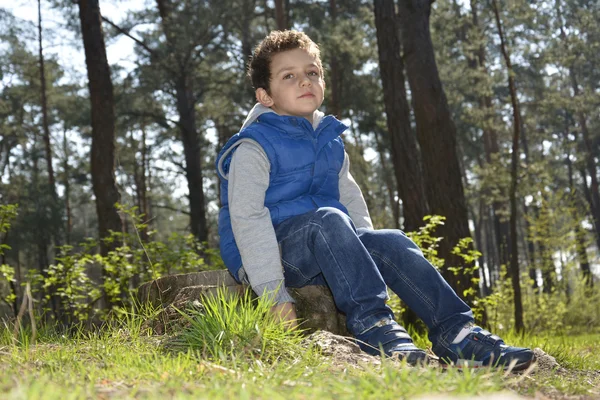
394, 340
482, 349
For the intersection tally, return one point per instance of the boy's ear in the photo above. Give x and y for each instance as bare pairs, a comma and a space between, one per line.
263, 97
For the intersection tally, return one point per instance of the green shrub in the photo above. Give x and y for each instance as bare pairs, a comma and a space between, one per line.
429, 244
576, 309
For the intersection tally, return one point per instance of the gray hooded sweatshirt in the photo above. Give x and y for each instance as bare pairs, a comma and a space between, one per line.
248, 181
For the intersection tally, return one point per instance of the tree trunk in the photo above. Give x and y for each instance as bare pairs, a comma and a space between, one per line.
55, 226
139, 177
514, 251
246, 38
280, 15
45, 124
436, 134
405, 152
42, 239
335, 78
491, 250
67, 184
481, 242
224, 133
189, 135
389, 182
590, 162
103, 122
491, 148
584, 262
530, 246
547, 269
144, 206
523, 229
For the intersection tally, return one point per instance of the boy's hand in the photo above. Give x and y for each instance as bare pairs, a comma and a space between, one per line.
286, 313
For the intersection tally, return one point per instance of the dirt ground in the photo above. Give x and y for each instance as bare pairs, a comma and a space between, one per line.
344, 353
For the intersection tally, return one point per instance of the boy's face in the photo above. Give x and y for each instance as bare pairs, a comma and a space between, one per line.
297, 87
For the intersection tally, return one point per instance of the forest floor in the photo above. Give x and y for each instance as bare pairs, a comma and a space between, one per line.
122, 362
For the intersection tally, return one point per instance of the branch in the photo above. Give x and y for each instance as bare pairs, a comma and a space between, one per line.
124, 32
180, 165
162, 121
168, 170
171, 208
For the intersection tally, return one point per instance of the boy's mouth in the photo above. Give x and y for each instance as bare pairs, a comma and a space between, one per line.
306, 95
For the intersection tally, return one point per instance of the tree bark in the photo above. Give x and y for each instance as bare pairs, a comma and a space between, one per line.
45, 124
483, 246
67, 184
103, 122
185, 100
55, 219
436, 134
405, 152
335, 71
590, 162
529, 246
491, 250
389, 182
492, 149
584, 262
514, 251
139, 177
246, 22
280, 15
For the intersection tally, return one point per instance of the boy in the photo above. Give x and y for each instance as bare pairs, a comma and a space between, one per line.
293, 215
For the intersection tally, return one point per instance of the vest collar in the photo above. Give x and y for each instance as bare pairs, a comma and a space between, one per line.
300, 128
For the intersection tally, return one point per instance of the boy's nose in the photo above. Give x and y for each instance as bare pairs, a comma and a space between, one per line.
305, 81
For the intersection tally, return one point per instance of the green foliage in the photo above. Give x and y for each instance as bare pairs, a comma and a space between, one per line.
69, 280
233, 327
465, 250
559, 312
427, 242
8, 213
132, 262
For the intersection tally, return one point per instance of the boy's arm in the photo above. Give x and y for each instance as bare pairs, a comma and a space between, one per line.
253, 230
352, 198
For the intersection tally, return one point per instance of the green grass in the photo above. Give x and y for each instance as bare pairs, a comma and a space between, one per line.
119, 367
230, 350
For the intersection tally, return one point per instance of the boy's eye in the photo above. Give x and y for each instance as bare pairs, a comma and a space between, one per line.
288, 76
313, 73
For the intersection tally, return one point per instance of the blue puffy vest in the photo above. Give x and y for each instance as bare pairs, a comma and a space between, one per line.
305, 166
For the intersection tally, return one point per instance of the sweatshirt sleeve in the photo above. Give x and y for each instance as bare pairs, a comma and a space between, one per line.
253, 230
352, 198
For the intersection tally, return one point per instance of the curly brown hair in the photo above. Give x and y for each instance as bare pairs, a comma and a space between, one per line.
259, 67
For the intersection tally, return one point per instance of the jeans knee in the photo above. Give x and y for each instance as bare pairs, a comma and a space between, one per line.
331, 218
385, 240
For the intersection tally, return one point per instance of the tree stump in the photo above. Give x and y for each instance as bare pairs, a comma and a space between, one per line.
314, 304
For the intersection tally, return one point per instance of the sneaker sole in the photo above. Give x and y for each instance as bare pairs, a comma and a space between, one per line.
470, 364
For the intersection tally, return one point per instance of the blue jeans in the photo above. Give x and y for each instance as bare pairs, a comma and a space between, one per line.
323, 247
